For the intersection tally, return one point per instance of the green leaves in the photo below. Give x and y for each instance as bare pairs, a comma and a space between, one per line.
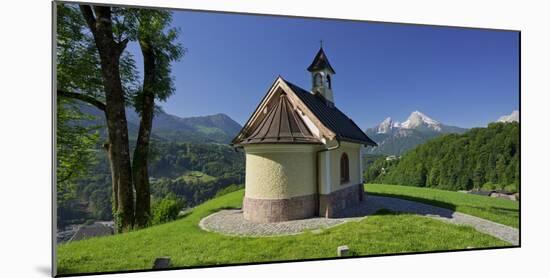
166, 209
159, 46
75, 148
78, 66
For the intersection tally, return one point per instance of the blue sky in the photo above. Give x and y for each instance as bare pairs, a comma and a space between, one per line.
462, 77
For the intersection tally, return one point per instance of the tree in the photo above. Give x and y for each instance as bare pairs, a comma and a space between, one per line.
159, 48
111, 43
500, 168
79, 79
478, 179
94, 67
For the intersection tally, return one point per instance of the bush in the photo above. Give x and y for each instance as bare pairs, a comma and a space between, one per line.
513, 188
166, 209
489, 186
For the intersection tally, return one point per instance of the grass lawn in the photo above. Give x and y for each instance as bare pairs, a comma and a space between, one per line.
187, 245
497, 210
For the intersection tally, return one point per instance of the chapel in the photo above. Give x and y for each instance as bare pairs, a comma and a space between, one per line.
303, 154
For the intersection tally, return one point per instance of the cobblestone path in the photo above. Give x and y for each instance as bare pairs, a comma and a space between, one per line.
231, 222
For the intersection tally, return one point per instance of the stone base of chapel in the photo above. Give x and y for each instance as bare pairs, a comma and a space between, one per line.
338, 202
277, 210
330, 205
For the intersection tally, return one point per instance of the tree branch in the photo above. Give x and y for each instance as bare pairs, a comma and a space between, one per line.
122, 46
88, 14
88, 99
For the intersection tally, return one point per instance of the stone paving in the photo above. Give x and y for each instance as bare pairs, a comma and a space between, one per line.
231, 222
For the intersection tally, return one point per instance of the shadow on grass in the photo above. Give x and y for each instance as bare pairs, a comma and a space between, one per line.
399, 204
228, 207
506, 212
432, 202
385, 212
214, 210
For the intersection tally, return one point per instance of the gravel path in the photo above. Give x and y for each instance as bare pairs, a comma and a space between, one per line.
231, 222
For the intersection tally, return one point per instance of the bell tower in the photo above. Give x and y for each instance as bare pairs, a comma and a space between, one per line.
321, 76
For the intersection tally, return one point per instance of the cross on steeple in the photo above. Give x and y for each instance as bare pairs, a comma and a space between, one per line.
321, 42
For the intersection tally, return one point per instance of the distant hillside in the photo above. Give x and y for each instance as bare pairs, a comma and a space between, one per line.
194, 172
218, 128
395, 138
182, 149
482, 157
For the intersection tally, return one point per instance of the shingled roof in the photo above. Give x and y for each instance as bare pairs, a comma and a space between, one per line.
281, 125
320, 62
331, 117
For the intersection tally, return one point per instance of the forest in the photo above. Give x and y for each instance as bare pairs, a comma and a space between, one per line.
482, 158
190, 172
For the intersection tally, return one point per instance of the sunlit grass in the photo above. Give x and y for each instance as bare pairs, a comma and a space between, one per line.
187, 245
497, 210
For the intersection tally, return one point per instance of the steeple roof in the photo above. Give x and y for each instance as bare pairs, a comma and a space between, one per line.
281, 125
320, 62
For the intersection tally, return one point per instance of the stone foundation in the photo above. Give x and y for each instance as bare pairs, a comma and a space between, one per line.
336, 203
276, 210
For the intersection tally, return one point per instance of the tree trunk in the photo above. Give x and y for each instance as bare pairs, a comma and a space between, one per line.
114, 186
109, 50
141, 152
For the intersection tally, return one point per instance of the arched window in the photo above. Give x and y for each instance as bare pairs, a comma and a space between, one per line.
344, 169
317, 80
329, 81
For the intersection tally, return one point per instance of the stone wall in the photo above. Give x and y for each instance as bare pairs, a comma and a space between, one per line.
276, 210
337, 202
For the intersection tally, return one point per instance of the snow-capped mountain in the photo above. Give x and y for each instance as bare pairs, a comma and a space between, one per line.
395, 138
514, 117
387, 125
419, 120
416, 120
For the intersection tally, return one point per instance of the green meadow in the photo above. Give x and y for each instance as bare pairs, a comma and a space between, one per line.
187, 245
497, 210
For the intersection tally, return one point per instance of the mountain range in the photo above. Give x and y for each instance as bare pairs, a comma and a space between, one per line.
395, 138
217, 128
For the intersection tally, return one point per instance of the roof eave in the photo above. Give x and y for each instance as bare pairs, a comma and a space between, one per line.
313, 68
357, 141
242, 144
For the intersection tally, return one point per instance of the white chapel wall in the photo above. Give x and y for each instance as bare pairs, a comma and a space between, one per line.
353, 152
